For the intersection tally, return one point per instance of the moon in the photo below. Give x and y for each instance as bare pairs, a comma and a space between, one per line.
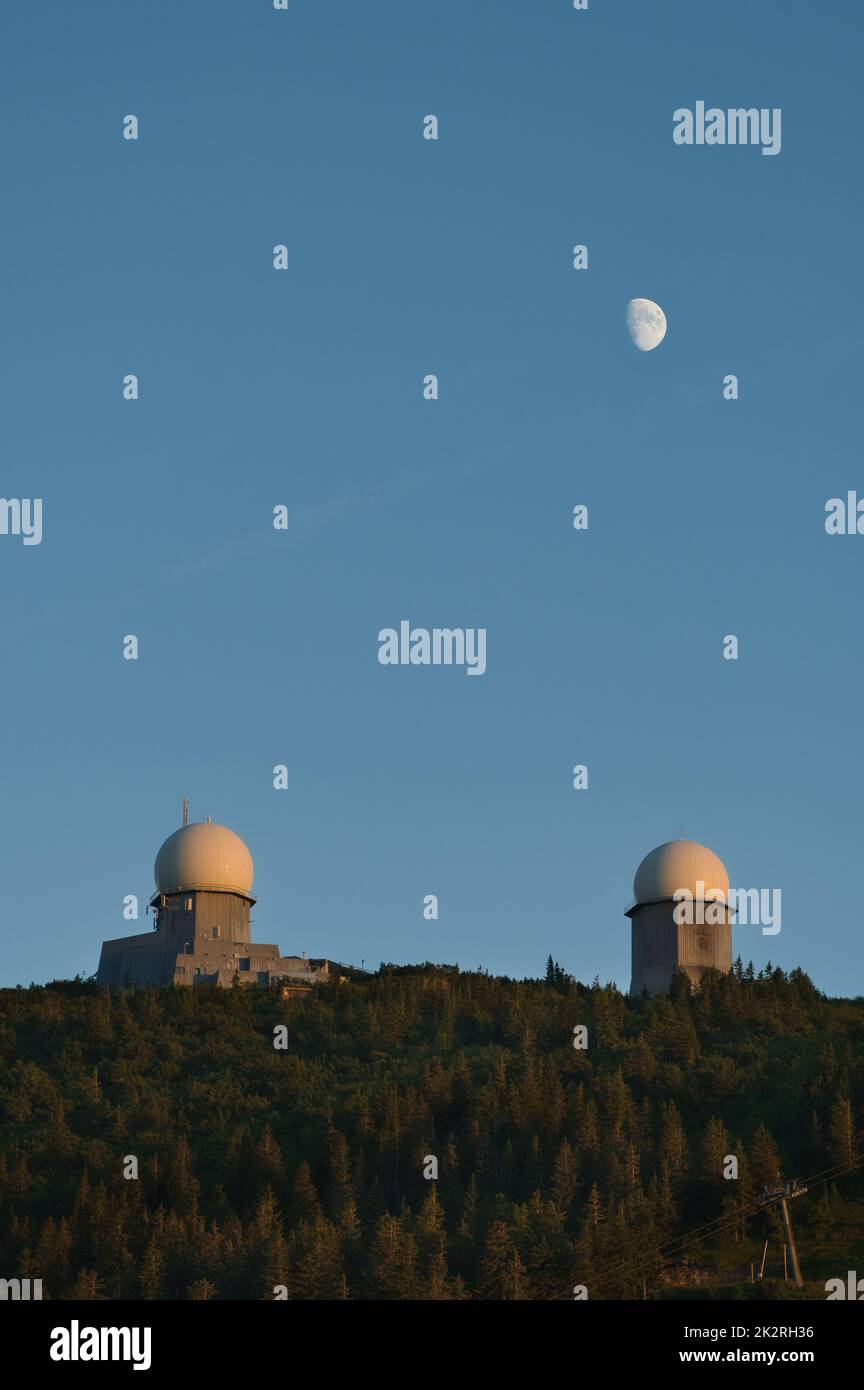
646, 323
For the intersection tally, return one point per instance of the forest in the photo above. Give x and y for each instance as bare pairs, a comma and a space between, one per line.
162, 1145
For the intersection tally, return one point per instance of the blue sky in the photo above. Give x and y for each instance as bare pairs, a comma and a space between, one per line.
304, 388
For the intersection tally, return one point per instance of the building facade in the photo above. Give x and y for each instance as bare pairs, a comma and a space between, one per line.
202, 931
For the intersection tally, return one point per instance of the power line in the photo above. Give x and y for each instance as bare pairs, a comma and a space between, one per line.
677, 1243
721, 1223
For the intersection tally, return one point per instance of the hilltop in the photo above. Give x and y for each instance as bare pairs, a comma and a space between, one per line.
304, 1166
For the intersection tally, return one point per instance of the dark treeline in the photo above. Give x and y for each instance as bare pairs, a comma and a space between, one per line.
304, 1167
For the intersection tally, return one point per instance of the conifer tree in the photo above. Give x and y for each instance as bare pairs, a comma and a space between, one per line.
842, 1131
764, 1158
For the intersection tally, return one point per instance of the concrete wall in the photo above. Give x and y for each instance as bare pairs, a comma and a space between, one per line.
174, 954
222, 916
142, 960
659, 946
703, 948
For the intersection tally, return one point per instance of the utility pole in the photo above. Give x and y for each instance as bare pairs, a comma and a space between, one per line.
783, 1193
787, 1226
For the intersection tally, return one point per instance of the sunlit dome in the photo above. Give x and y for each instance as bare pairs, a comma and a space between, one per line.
677, 866
204, 856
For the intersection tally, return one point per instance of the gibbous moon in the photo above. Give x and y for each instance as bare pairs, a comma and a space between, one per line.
646, 323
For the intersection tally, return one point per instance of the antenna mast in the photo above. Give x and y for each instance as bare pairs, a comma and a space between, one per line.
185, 810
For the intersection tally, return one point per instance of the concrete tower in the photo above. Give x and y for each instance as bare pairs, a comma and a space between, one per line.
203, 876
202, 926
679, 919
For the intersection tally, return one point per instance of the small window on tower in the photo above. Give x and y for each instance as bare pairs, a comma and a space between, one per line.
188, 904
217, 932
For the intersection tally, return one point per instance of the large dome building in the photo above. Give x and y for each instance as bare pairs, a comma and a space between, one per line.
204, 856
203, 875
202, 930
680, 917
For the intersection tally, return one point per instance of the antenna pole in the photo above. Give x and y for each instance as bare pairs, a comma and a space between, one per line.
185, 810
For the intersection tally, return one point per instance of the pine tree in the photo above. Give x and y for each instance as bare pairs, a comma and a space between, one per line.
429, 1227
341, 1185
842, 1132
564, 1178
269, 1169
437, 1284
52, 1253
86, 1288
673, 1143
499, 1263
150, 1277
275, 1268
266, 1220
305, 1205
713, 1151
764, 1158
467, 1245
201, 1291
394, 1260
594, 1213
